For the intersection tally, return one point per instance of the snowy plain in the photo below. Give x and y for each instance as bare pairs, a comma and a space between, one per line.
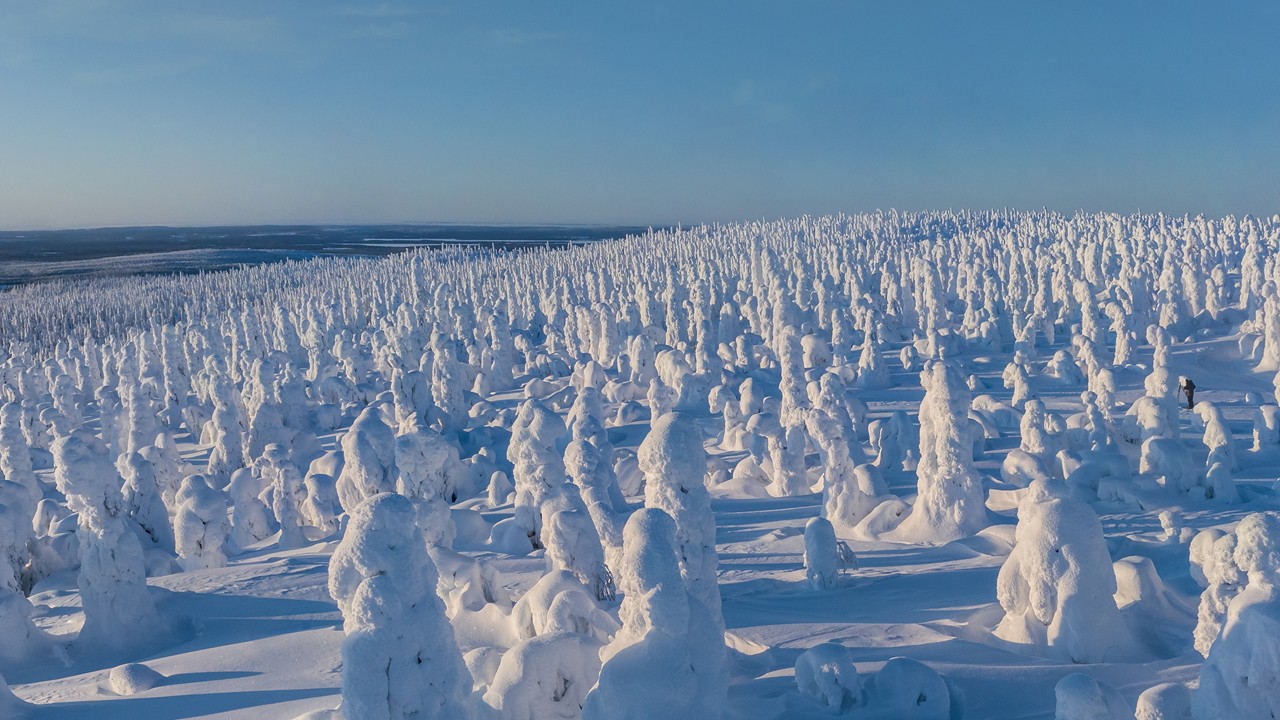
1005, 318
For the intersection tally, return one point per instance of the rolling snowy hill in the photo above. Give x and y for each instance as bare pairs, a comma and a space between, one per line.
891, 465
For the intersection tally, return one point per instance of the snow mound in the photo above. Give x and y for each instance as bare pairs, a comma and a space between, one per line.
133, 678
1080, 697
825, 672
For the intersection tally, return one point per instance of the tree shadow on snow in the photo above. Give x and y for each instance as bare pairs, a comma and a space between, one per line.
174, 707
207, 676
896, 598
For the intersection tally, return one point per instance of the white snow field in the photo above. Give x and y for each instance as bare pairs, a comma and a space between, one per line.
880, 466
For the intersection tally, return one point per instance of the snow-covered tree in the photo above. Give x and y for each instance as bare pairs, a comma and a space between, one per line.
319, 508
249, 523
1224, 581
21, 638
118, 610
674, 463
573, 545
285, 494
1056, 586
1217, 435
1241, 675
1079, 697
664, 627
429, 475
369, 451
201, 527
588, 470
539, 471
227, 454
15, 455
400, 658
167, 465
144, 502
825, 557
950, 502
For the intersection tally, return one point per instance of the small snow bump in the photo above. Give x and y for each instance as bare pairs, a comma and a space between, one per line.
133, 678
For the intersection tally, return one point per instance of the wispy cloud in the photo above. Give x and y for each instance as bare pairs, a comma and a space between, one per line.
764, 107
383, 30
515, 36
140, 72
12, 58
253, 31
389, 10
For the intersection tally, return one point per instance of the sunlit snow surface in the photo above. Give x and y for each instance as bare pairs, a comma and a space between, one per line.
261, 637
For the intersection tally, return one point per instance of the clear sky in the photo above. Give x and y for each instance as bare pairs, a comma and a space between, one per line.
118, 112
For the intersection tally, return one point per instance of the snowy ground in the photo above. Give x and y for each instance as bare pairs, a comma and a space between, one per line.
263, 636
1028, 362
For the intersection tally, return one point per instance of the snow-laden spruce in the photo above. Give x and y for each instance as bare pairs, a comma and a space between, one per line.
950, 500
15, 453
902, 689
399, 657
670, 645
1056, 586
825, 557
201, 528
285, 494
539, 472
674, 462
1241, 674
22, 640
142, 496
794, 333
368, 449
429, 473
1223, 581
118, 609
1080, 697
249, 522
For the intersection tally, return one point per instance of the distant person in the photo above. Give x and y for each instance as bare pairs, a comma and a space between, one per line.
1189, 388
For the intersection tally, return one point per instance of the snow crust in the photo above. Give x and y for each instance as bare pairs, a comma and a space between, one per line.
890, 465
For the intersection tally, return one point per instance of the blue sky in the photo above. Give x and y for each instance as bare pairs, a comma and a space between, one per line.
183, 112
